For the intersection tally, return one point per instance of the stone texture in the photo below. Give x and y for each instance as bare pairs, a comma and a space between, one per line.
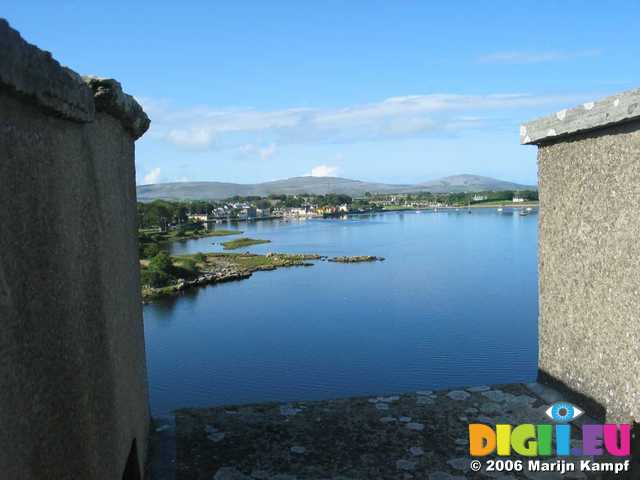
458, 395
589, 264
74, 393
110, 98
345, 439
616, 109
33, 74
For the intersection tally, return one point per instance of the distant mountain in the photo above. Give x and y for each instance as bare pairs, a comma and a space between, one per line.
471, 183
318, 186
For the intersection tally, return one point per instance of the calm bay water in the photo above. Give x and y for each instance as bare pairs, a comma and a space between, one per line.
454, 304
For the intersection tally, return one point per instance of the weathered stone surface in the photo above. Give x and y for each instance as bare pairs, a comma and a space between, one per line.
458, 395
494, 395
418, 427
214, 434
459, 463
405, 465
589, 259
345, 439
230, 473
73, 402
36, 76
479, 388
489, 408
288, 410
110, 98
607, 112
416, 451
444, 476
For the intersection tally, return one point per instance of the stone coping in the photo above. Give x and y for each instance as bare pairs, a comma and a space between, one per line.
619, 108
109, 98
34, 74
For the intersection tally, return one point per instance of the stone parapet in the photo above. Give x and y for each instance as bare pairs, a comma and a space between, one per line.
616, 109
35, 76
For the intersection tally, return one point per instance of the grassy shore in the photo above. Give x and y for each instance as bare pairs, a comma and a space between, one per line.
176, 235
242, 242
503, 204
186, 271
496, 204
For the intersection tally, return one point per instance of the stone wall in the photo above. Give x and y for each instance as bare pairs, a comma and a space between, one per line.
73, 393
589, 250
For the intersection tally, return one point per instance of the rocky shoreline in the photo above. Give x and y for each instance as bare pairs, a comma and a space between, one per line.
221, 268
229, 267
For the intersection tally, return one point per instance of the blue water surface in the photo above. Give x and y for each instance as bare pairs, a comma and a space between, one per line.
454, 304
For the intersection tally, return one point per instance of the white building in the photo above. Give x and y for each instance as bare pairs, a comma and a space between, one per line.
298, 212
198, 217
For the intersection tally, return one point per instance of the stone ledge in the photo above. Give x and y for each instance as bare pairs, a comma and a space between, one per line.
620, 108
416, 435
35, 74
109, 98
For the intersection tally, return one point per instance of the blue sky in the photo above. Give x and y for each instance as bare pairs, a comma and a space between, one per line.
391, 91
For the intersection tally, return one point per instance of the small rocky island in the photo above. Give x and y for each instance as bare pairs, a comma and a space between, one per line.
242, 242
357, 259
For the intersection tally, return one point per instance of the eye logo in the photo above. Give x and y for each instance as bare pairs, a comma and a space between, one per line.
563, 412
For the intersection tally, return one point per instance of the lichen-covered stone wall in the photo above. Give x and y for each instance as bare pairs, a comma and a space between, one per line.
73, 393
589, 261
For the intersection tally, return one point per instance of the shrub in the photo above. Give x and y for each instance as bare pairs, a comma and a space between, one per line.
150, 250
200, 257
161, 263
153, 278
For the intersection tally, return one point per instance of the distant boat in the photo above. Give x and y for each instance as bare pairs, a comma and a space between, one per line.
529, 209
499, 209
524, 213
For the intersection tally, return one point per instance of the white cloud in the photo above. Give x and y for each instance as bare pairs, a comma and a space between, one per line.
256, 132
324, 171
518, 57
153, 176
264, 153
267, 152
194, 137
